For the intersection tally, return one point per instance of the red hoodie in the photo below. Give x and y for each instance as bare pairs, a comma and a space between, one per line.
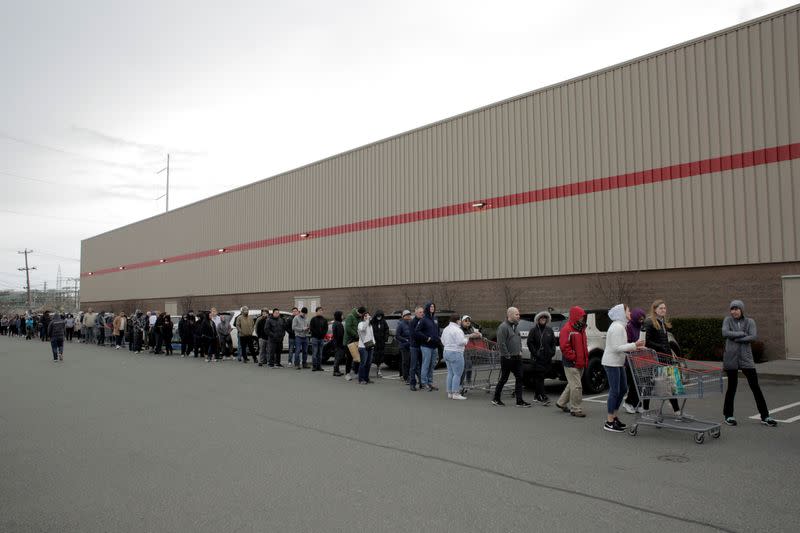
573, 341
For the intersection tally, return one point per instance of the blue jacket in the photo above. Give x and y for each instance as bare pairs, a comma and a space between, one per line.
403, 334
427, 330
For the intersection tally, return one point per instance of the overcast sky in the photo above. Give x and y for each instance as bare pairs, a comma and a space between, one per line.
95, 93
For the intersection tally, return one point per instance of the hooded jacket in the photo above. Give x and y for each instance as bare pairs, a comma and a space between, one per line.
634, 326
427, 331
617, 338
739, 334
185, 329
542, 343
300, 326
351, 326
380, 329
572, 340
509, 341
56, 327
403, 334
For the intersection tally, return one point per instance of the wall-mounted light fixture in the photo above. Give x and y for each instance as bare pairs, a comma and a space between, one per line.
304, 235
221, 250
479, 205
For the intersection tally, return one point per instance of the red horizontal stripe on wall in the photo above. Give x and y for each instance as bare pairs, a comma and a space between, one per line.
742, 160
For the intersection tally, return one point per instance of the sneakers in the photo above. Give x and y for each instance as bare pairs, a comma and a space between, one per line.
619, 423
457, 396
523, 403
629, 408
413, 388
613, 426
544, 400
337, 374
562, 407
769, 422
380, 374
433, 387
348, 377
289, 365
731, 421
498, 402
578, 414
449, 395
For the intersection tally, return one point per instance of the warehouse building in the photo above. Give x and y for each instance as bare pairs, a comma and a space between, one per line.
675, 175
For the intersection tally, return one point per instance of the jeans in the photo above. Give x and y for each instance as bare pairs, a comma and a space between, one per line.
414, 366
455, 367
365, 365
510, 365
573, 392
316, 352
617, 387
263, 350
58, 347
429, 356
301, 349
752, 380
292, 349
275, 348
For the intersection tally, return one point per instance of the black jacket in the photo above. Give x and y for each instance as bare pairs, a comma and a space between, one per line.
261, 327
318, 327
338, 334
656, 339
287, 326
185, 329
542, 345
380, 329
274, 329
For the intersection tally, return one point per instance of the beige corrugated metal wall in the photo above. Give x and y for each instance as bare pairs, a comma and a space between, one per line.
732, 92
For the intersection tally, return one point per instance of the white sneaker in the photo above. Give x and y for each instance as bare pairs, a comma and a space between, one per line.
457, 396
380, 375
640, 409
290, 365
348, 377
629, 408
449, 395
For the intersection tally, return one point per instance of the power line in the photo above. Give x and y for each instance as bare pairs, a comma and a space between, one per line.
50, 216
67, 152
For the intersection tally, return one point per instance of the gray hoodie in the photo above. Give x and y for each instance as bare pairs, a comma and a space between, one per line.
739, 334
300, 326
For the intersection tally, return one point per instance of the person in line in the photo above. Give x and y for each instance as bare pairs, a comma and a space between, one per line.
403, 335
56, 329
29, 327
301, 331
157, 333
350, 336
224, 339
244, 325
185, 332
139, 325
70, 324
4, 325
634, 333
151, 334
366, 345
119, 329
275, 330
740, 333
414, 352
614, 364
337, 338
166, 333
207, 335
292, 338
263, 338
509, 343
454, 341
468, 328
542, 346
380, 328
45, 322
656, 330
575, 356
427, 336
318, 328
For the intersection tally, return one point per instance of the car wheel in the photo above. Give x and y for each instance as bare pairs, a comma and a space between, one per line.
595, 380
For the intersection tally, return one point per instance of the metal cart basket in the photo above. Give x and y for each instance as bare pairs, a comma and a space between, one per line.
481, 365
661, 377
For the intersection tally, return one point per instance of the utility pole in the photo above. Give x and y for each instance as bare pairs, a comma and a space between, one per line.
75, 290
27, 270
159, 172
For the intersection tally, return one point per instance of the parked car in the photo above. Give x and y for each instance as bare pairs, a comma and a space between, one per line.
595, 380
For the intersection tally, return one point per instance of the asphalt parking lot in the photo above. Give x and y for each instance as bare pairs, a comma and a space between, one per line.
110, 441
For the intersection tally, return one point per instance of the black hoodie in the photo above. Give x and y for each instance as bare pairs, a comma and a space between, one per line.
380, 329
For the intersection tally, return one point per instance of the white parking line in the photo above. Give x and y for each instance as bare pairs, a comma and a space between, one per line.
779, 409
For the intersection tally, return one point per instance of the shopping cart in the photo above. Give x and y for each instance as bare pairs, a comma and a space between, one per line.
481, 365
661, 377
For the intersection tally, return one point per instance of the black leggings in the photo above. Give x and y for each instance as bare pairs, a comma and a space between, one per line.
752, 380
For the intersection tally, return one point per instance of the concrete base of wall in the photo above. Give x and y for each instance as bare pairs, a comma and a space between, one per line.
695, 292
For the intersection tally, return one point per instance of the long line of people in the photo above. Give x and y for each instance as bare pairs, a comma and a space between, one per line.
359, 340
